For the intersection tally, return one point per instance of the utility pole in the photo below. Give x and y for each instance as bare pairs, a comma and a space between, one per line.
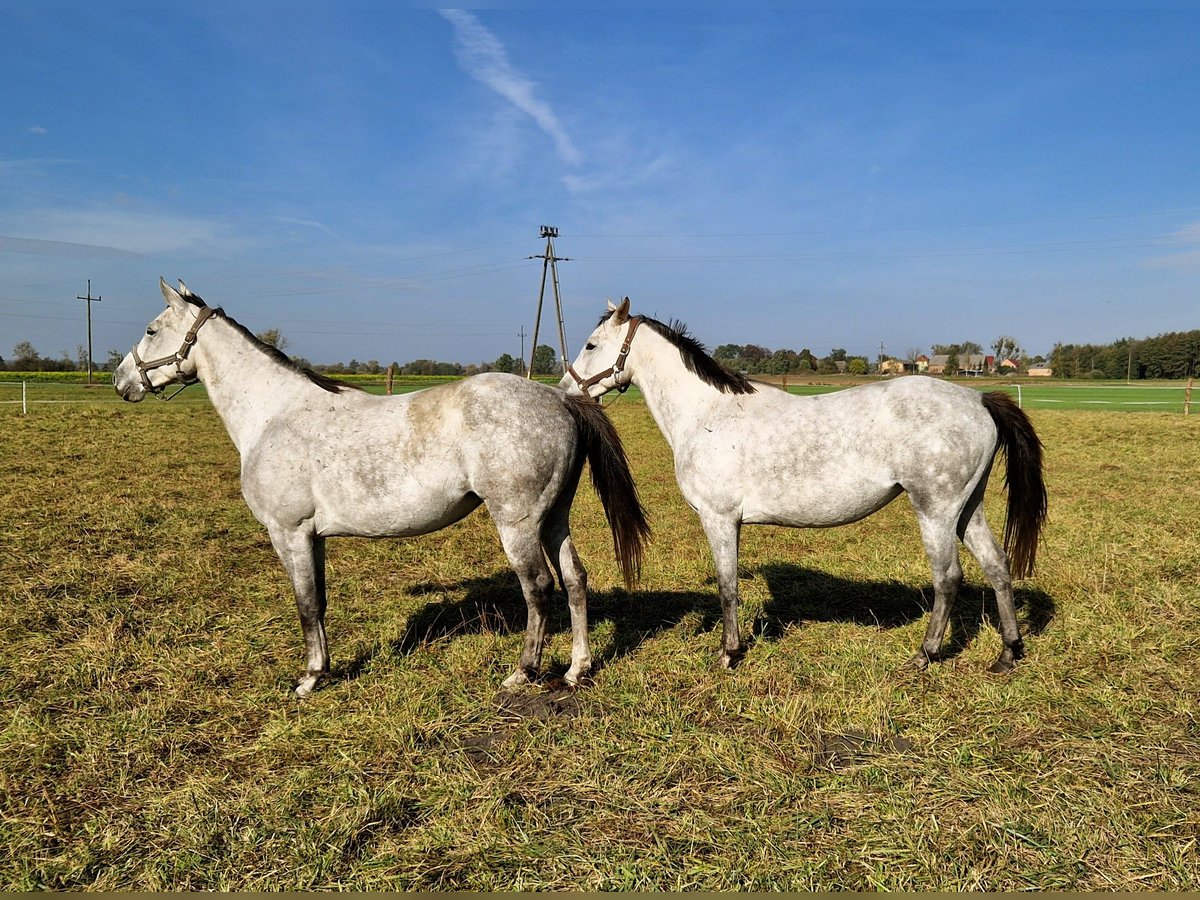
89, 298
549, 263
522, 334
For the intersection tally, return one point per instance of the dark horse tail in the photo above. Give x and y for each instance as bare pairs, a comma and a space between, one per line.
1023, 480
614, 483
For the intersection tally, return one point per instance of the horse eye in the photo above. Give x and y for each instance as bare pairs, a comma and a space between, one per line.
590, 346
151, 332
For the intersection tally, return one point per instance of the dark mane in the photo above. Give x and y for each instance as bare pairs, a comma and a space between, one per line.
696, 359
322, 381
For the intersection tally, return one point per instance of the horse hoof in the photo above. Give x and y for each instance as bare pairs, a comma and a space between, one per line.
729, 660
517, 679
578, 679
920, 661
1004, 664
306, 686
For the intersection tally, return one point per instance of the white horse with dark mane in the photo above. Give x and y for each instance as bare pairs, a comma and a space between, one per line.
750, 456
320, 460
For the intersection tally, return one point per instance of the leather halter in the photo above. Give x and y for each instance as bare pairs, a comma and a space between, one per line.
616, 368
189, 339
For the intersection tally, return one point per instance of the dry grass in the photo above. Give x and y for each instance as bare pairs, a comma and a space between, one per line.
149, 741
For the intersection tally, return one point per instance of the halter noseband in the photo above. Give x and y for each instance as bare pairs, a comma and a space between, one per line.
144, 366
616, 368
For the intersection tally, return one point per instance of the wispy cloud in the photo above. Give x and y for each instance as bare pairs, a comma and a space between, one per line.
114, 232
1188, 258
484, 58
35, 247
37, 129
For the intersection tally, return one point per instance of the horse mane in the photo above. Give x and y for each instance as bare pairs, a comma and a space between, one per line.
324, 382
696, 359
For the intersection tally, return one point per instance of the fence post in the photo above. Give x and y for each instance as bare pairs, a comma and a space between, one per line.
391, 376
24, 405
1187, 397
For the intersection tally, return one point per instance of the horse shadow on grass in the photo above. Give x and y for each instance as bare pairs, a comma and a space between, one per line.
494, 605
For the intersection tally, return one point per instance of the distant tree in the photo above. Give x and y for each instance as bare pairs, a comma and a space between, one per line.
1006, 347
856, 365
544, 360
752, 354
25, 356
273, 337
951, 363
727, 353
837, 354
504, 363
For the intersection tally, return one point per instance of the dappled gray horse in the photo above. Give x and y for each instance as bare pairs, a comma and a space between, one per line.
319, 460
745, 455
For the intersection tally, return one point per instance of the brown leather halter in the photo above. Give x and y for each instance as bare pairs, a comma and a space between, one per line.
177, 357
616, 368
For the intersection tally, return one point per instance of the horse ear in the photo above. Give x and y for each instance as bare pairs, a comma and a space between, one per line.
612, 307
622, 312
172, 296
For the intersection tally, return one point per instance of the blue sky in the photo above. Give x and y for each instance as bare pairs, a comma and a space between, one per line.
372, 182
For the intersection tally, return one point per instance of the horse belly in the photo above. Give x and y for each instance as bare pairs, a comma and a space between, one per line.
808, 505
387, 501
383, 519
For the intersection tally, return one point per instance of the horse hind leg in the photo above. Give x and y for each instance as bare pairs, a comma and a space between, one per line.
303, 557
941, 546
556, 539
979, 539
523, 548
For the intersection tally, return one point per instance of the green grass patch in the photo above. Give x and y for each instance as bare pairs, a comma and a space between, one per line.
149, 740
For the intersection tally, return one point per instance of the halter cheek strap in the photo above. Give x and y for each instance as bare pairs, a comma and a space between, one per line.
616, 368
176, 358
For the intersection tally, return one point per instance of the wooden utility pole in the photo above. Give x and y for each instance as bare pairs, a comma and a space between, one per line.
89, 298
549, 264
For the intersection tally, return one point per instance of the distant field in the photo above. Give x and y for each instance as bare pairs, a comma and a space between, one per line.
1158, 396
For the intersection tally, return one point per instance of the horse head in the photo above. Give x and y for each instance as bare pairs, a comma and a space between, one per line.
601, 364
163, 356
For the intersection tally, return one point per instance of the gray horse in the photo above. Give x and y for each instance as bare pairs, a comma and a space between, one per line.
845, 456
319, 460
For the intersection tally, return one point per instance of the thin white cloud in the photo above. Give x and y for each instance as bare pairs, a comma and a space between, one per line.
116, 232
37, 129
484, 58
1188, 259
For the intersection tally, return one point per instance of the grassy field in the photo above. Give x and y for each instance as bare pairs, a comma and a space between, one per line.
1142, 396
149, 740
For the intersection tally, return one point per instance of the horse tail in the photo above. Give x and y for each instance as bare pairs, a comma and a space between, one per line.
614, 484
1023, 481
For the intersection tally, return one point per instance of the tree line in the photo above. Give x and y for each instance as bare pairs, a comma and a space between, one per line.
1175, 354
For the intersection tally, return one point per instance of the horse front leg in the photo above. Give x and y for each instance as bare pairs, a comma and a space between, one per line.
303, 556
724, 534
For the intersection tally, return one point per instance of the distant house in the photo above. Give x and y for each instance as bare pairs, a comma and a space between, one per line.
968, 364
921, 364
1040, 371
1009, 365
891, 367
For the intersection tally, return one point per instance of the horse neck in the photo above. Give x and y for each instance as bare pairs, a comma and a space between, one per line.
246, 387
674, 395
